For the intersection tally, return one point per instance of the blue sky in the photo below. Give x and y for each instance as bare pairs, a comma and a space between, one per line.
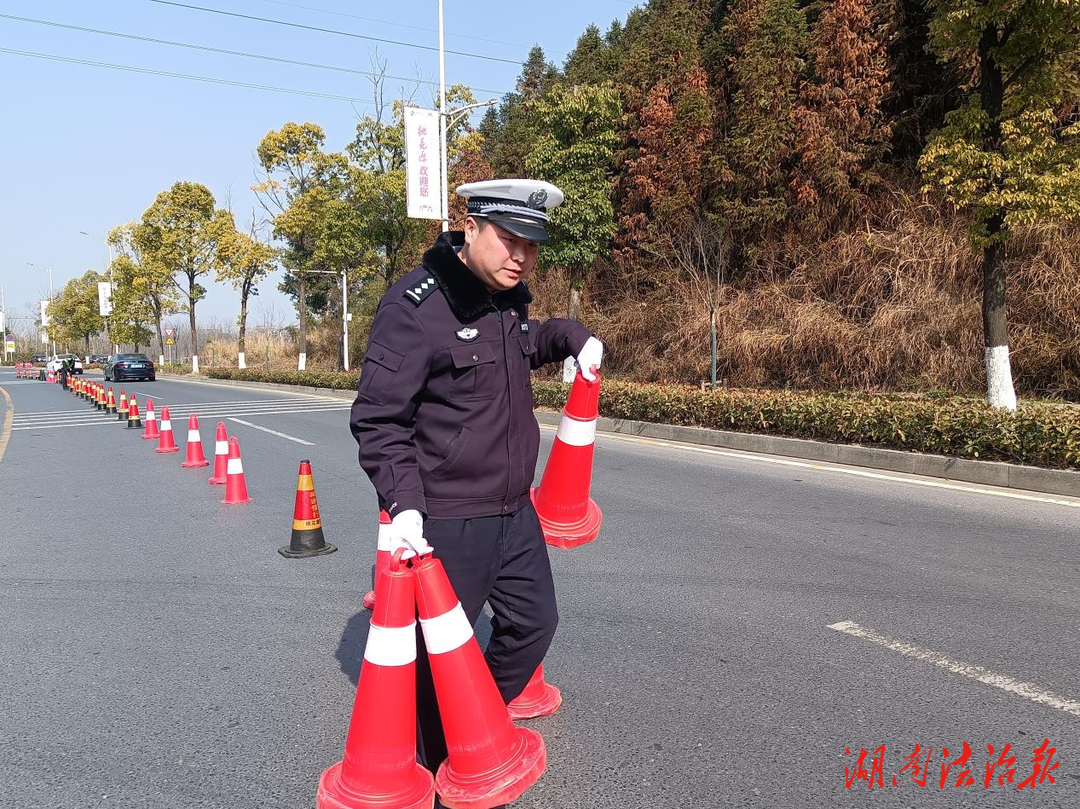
88, 148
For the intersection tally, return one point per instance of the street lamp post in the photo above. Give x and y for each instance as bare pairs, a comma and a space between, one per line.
108, 318
52, 294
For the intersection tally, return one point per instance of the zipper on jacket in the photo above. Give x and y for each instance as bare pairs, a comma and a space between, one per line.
509, 409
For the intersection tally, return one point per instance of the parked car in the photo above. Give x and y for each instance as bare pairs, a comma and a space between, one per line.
39, 359
121, 367
98, 359
58, 360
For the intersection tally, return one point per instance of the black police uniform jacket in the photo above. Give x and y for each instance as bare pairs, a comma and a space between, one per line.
444, 413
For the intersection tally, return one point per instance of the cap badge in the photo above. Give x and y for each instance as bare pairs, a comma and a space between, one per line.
537, 199
467, 334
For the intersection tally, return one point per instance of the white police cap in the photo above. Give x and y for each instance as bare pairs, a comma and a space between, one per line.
517, 205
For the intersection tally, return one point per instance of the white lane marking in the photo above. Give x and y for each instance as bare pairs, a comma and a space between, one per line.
272, 432
182, 410
844, 470
203, 416
1004, 682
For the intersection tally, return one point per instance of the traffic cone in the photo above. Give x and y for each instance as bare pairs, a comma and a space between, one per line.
133, 415
490, 760
50, 377
235, 483
110, 403
165, 440
379, 769
101, 400
122, 408
540, 698
151, 432
382, 556
307, 534
221, 456
195, 456
567, 514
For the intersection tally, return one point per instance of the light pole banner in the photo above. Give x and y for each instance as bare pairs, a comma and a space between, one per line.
44, 314
423, 173
104, 298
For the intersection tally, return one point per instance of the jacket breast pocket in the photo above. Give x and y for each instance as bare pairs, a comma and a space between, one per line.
474, 374
381, 364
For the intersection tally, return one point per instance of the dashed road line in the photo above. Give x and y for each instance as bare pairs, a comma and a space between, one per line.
1003, 682
272, 432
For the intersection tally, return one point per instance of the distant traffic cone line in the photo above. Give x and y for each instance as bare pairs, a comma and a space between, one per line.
221, 456
151, 432
379, 769
382, 555
568, 516
307, 530
195, 457
166, 442
235, 482
490, 760
538, 698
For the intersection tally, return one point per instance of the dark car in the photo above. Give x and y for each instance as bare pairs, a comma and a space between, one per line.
39, 359
120, 367
98, 359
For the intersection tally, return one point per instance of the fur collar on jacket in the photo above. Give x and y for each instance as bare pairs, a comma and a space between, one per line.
466, 293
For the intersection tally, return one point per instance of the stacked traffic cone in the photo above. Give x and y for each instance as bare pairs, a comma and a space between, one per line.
195, 456
50, 377
307, 533
166, 443
221, 456
382, 556
235, 482
490, 761
110, 403
567, 514
133, 415
122, 408
151, 432
540, 698
379, 770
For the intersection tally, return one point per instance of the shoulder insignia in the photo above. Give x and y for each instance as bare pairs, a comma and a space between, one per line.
418, 293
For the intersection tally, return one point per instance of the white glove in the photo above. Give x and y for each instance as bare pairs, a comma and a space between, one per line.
407, 531
589, 358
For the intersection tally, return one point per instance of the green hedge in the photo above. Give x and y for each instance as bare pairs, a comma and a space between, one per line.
1037, 434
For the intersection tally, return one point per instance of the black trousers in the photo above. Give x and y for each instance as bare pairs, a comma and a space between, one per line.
502, 560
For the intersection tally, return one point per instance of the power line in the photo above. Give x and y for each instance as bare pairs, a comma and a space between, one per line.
227, 52
333, 31
209, 79
398, 24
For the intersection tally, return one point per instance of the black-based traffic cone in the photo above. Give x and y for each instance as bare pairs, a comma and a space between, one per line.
307, 534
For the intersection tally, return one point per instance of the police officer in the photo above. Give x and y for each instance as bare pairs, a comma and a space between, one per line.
444, 420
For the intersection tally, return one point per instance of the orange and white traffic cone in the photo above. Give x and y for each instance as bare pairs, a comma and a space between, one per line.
490, 760
307, 532
133, 415
151, 432
379, 770
567, 514
221, 456
110, 403
235, 482
540, 698
122, 408
382, 556
166, 442
195, 457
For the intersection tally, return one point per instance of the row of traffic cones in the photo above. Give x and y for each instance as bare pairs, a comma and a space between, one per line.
228, 465
490, 760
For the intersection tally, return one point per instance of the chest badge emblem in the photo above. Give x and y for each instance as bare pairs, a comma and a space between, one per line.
468, 335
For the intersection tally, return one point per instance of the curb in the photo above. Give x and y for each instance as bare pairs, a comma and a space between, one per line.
985, 473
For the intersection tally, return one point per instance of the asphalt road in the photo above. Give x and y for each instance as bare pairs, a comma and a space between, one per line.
741, 622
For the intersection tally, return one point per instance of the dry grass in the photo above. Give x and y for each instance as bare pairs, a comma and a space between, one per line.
892, 305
